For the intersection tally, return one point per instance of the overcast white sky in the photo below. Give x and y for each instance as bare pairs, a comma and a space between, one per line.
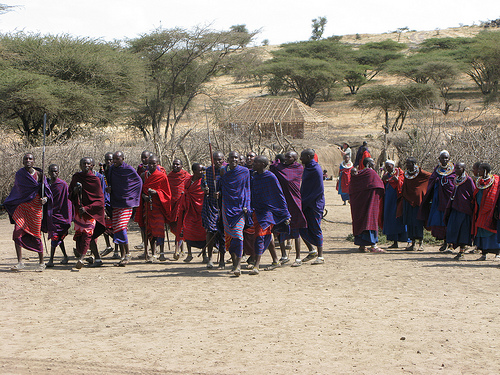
280, 21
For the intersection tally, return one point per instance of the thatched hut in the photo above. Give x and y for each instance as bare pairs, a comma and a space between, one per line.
286, 116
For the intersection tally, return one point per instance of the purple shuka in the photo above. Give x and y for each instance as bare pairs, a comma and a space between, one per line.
268, 201
312, 190
210, 211
126, 186
235, 189
24, 190
290, 177
62, 213
462, 197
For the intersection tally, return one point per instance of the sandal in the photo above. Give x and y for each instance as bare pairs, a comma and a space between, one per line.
310, 256
273, 266
376, 249
254, 271
188, 259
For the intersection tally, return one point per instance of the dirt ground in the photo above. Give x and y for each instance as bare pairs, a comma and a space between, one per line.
392, 313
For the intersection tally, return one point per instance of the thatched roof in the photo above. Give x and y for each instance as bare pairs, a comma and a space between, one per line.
271, 110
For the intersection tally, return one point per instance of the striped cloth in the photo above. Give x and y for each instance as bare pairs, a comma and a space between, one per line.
233, 235
84, 229
28, 217
121, 217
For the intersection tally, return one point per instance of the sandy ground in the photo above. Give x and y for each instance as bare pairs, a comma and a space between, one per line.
393, 313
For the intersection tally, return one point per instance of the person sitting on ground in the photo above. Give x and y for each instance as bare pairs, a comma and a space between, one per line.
62, 214
393, 226
366, 192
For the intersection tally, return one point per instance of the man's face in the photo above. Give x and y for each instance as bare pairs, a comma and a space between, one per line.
176, 165
243, 160
28, 161
482, 172
86, 165
152, 164
198, 173
108, 160
304, 158
259, 165
250, 158
145, 157
233, 159
54, 172
218, 160
117, 159
347, 158
289, 158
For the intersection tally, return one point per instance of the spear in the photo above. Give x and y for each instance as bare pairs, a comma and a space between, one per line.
43, 170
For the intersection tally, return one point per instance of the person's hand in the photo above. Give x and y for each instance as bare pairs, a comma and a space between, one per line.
108, 189
206, 189
82, 210
152, 191
43, 200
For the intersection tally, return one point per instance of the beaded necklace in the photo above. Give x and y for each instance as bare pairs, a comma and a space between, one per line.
445, 171
411, 175
348, 165
460, 180
484, 183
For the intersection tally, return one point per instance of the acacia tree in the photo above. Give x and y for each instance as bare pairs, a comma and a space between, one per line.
308, 68
369, 60
74, 80
395, 100
179, 62
318, 28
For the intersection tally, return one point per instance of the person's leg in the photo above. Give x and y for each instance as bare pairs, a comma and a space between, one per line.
50, 263
63, 250
19, 252
189, 257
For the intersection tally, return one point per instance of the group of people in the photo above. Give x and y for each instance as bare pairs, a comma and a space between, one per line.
237, 205
458, 209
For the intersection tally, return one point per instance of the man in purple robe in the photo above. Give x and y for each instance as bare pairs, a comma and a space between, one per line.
437, 196
458, 214
366, 191
312, 193
29, 210
235, 192
269, 211
124, 186
289, 175
62, 214
210, 210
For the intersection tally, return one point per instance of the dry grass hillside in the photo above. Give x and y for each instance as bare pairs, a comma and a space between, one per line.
352, 124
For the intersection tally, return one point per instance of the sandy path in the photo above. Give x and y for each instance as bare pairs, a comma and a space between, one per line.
395, 313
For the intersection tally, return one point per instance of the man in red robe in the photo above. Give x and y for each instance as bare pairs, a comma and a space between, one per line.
176, 179
88, 206
154, 208
192, 202
366, 192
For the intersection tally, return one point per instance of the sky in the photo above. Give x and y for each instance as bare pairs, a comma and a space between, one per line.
279, 21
